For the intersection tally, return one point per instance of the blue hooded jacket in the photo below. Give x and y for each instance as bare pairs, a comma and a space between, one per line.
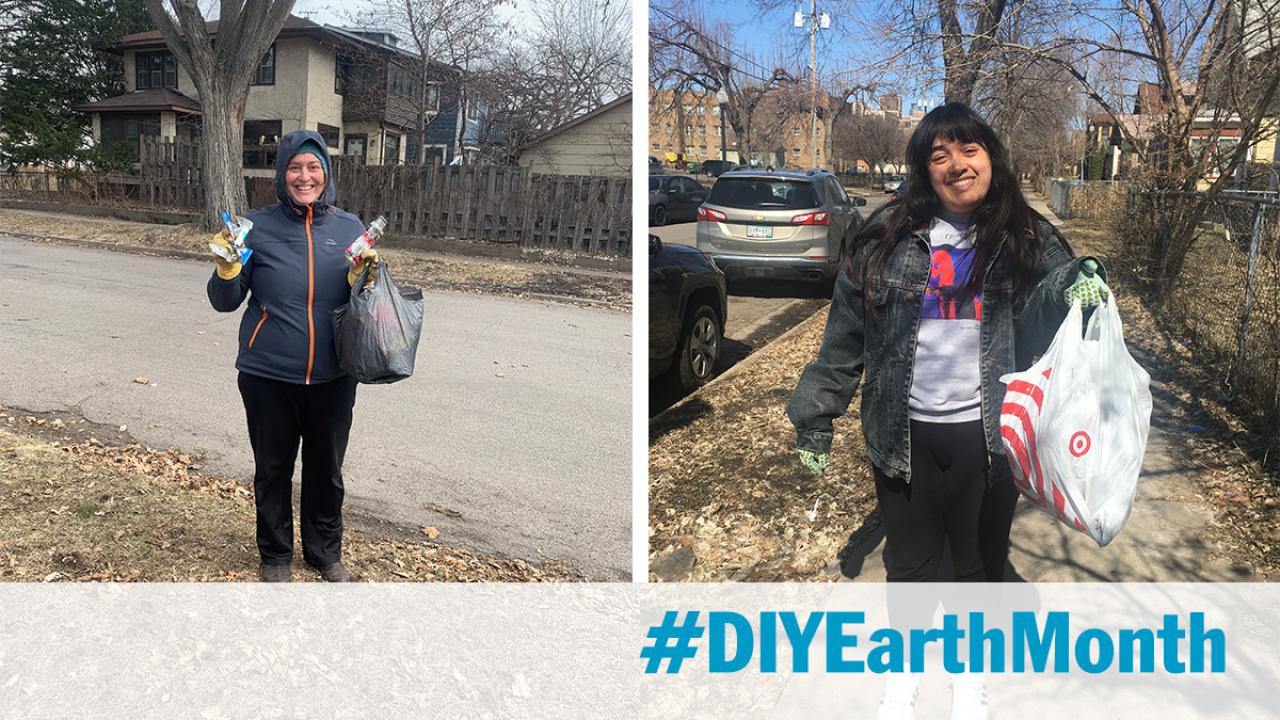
294, 280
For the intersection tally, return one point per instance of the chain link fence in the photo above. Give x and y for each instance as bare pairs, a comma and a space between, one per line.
1225, 288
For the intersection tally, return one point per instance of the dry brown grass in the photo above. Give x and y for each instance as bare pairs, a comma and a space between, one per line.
513, 278
92, 511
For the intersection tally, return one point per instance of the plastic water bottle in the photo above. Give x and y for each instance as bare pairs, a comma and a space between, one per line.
238, 228
367, 239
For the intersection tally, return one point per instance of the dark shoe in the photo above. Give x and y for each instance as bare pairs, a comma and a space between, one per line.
335, 573
276, 573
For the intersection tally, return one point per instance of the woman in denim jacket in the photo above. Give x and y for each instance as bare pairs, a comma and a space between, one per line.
945, 290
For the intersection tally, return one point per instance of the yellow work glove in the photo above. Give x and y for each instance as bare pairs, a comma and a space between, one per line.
370, 258
226, 270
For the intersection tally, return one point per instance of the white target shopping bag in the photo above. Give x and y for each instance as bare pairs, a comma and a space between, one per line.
1074, 425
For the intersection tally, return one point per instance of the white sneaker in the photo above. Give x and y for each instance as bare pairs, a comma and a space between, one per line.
968, 697
899, 699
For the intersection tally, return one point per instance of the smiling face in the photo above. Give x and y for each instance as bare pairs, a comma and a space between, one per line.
304, 178
960, 173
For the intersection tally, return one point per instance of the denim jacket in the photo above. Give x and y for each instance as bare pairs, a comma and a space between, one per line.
1015, 329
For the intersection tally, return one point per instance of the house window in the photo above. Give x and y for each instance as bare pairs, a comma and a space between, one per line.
411, 146
155, 71
433, 97
128, 128
356, 144
329, 133
260, 139
266, 72
391, 150
355, 76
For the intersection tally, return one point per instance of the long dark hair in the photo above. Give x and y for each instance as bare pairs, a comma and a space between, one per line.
1004, 211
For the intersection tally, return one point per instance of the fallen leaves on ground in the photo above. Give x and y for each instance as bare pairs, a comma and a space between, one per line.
94, 511
535, 274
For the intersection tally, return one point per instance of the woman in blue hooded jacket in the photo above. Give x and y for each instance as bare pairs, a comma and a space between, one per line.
293, 390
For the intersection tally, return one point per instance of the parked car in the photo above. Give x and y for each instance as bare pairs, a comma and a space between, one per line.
674, 198
892, 182
655, 165
898, 191
785, 224
687, 310
716, 168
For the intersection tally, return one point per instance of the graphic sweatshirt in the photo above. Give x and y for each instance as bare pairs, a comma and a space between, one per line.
946, 383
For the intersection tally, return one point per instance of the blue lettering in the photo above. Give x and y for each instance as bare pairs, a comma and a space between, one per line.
951, 637
769, 642
799, 639
718, 624
837, 641
1027, 639
1217, 641
1170, 634
1145, 640
1106, 651
984, 643
887, 656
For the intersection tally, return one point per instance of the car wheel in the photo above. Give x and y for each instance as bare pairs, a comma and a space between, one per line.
660, 216
699, 348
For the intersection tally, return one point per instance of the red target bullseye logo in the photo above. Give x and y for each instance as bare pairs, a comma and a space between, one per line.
1080, 443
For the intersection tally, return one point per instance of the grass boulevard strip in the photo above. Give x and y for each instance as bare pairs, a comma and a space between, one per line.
85, 503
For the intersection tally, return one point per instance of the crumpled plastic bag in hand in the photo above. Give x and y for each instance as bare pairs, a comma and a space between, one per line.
1074, 425
377, 332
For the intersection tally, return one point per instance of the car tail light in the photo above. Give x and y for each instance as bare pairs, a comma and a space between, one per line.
816, 218
706, 213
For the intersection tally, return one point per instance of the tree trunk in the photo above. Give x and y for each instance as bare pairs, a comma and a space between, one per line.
223, 140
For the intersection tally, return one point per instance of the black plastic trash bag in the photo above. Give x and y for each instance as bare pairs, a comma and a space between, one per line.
377, 332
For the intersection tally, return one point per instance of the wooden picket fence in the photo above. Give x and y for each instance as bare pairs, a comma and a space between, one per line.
170, 173
506, 204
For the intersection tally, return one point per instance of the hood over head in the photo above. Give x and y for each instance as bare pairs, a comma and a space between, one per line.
290, 145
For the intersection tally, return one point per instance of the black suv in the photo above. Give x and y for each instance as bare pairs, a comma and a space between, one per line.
687, 310
715, 168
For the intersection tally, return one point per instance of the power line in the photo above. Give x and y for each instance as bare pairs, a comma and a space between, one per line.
713, 41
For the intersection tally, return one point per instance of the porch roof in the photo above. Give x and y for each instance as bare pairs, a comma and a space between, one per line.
153, 100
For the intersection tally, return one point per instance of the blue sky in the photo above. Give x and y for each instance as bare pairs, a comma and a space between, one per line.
771, 37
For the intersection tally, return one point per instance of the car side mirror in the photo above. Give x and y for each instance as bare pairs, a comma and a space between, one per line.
655, 245
859, 202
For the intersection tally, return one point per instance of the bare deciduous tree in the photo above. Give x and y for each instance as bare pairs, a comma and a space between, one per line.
687, 54
221, 72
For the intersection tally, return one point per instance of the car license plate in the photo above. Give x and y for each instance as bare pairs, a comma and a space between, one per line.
759, 231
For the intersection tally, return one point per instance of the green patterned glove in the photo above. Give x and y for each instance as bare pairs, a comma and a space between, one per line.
1088, 288
817, 462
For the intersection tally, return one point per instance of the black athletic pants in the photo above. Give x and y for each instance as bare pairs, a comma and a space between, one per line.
281, 415
947, 501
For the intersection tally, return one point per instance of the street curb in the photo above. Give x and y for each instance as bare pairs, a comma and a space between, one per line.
188, 255
733, 371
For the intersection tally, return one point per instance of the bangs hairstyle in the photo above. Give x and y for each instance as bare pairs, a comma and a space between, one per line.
1003, 212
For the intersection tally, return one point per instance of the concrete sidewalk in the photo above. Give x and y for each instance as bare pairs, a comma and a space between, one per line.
1165, 539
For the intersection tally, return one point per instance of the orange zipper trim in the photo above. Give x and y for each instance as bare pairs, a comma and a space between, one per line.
258, 327
311, 297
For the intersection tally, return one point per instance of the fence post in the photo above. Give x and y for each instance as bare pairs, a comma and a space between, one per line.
1242, 340
46, 185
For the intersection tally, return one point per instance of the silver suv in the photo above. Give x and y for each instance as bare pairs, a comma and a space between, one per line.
782, 224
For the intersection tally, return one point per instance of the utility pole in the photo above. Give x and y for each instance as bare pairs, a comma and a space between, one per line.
816, 21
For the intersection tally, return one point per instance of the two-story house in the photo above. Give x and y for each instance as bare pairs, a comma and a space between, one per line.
356, 88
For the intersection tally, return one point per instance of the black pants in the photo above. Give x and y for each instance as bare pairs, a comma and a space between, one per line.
281, 415
948, 501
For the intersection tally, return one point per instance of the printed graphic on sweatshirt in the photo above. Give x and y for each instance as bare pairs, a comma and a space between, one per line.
944, 296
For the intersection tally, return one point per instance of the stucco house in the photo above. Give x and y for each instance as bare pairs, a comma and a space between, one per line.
352, 86
596, 143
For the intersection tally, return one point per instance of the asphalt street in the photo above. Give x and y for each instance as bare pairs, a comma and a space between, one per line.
512, 436
758, 312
